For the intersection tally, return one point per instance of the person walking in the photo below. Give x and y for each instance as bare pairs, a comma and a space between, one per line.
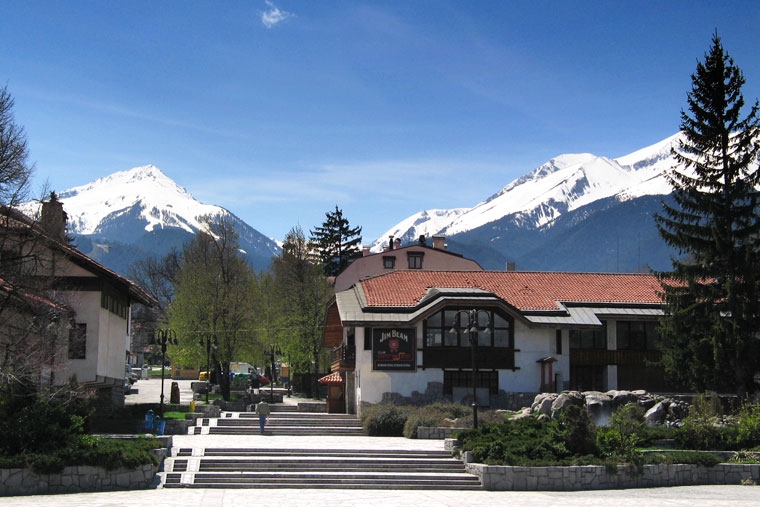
263, 410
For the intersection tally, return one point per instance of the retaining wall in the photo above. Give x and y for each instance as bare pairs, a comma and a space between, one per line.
572, 478
78, 479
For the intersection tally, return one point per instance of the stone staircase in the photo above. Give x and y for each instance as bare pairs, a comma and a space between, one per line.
317, 469
356, 468
284, 420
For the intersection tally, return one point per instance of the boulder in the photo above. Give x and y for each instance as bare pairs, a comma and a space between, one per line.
657, 414
599, 407
567, 399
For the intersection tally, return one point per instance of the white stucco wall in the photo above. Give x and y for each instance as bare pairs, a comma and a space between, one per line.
532, 343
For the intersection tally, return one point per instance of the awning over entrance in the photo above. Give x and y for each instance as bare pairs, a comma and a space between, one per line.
332, 379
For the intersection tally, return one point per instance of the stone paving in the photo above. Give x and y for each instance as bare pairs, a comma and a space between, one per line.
692, 496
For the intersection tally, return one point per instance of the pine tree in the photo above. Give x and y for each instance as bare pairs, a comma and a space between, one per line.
336, 243
709, 335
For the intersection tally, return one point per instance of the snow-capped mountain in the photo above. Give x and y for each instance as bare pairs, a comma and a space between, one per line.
143, 191
562, 185
130, 214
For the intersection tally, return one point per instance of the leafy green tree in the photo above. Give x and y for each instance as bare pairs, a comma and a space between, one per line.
709, 335
336, 242
214, 296
302, 292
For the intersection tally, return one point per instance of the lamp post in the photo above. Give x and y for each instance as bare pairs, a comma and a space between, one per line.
164, 337
473, 327
206, 342
272, 351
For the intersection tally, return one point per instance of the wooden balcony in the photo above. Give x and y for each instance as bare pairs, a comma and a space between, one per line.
343, 358
600, 357
491, 358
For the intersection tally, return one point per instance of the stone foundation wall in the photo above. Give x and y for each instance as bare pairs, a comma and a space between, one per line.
572, 478
435, 433
434, 392
22, 481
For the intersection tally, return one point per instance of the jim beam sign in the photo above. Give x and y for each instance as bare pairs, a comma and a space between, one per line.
394, 349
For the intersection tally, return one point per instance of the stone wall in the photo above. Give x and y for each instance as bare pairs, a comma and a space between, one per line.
435, 433
572, 478
434, 392
78, 479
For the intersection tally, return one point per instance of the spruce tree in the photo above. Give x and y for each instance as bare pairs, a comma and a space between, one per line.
709, 335
336, 242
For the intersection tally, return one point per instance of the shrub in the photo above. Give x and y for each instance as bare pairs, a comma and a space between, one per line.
384, 420
521, 442
701, 431
434, 415
577, 431
88, 450
682, 458
748, 432
621, 438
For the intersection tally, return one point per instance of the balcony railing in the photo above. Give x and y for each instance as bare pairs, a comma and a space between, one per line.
344, 358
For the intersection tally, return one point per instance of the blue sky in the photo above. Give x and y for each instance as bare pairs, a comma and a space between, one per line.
279, 110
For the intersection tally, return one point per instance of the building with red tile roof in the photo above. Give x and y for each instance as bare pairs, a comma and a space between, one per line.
423, 335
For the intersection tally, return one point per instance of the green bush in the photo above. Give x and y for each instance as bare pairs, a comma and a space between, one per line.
384, 420
37, 423
434, 415
748, 431
88, 450
700, 431
682, 458
622, 437
527, 441
577, 431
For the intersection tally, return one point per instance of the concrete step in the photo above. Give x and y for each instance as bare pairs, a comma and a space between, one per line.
280, 423
316, 468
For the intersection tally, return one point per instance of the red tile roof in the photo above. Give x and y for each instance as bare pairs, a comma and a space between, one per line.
525, 290
333, 378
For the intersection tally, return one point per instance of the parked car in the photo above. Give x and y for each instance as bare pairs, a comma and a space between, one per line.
258, 380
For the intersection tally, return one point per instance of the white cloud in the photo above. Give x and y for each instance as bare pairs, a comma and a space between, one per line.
274, 15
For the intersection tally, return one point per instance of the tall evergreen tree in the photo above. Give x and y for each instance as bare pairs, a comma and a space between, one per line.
710, 334
336, 242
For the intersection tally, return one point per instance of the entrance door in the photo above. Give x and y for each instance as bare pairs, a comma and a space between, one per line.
336, 401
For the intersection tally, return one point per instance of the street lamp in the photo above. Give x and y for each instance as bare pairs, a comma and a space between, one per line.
209, 345
273, 349
164, 337
473, 327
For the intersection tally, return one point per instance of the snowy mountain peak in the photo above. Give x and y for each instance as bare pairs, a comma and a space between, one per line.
143, 191
564, 183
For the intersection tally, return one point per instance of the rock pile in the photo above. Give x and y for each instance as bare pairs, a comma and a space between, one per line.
600, 405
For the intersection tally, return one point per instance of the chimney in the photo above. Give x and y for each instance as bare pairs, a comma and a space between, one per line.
398, 243
511, 266
439, 242
53, 218
365, 251
422, 240
390, 242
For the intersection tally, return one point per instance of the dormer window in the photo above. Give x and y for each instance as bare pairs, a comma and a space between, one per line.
415, 260
389, 261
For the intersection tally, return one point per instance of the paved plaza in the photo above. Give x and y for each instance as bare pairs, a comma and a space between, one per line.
692, 496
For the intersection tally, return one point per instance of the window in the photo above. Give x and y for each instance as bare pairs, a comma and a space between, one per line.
78, 341
637, 335
438, 328
389, 261
367, 338
453, 378
558, 343
415, 260
589, 338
